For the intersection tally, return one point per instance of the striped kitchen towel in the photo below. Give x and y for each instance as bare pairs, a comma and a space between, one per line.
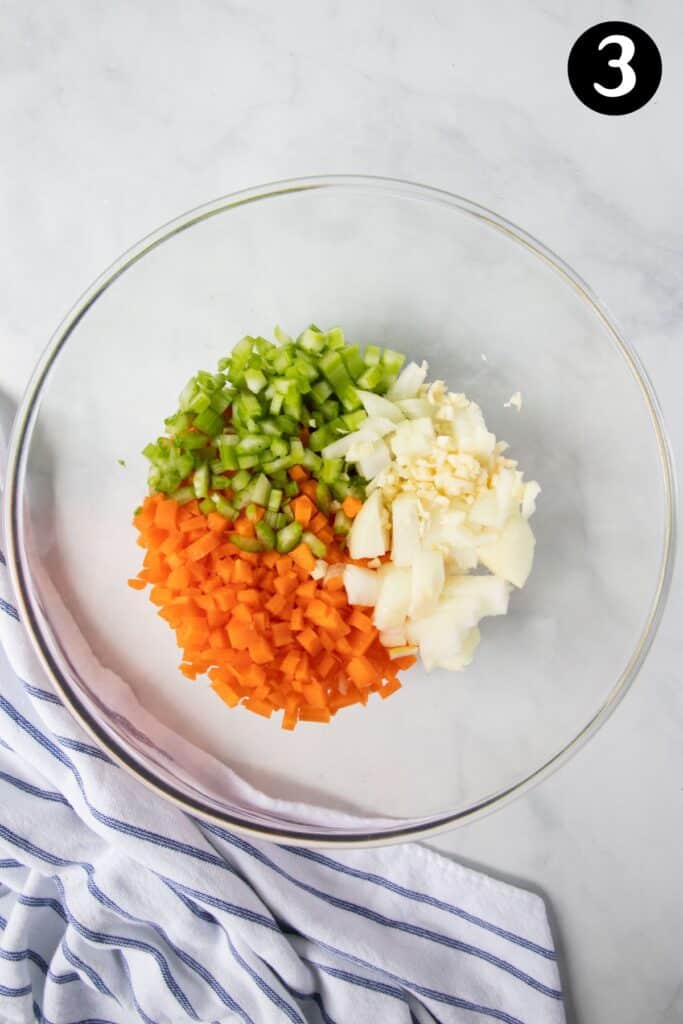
115, 906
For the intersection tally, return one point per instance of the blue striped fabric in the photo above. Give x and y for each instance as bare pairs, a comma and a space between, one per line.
117, 908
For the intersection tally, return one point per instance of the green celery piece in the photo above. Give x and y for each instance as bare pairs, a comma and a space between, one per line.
296, 452
200, 481
179, 421
320, 438
187, 394
392, 361
224, 363
228, 459
255, 380
252, 512
220, 483
372, 355
353, 360
216, 467
276, 519
323, 498
283, 358
371, 377
320, 392
190, 440
154, 476
260, 490
184, 495
287, 424
291, 488
247, 461
250, 444
331, 470
276, 404
312, 341
263, 346
220, 400
152, 452
340, 488
270, 427
249, 406
223, 506
288, 537
292, 404
311, 461
275, 465
353, 420
314, 543
207, 506
246, 543
279, 447
335, 338
330, 409
342, 523
279, 478
266, 534
183, 465
275, 500
282, 337
240, 480
200, 403
209, 422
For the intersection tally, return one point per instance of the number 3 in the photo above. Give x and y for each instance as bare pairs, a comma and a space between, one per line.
628, 75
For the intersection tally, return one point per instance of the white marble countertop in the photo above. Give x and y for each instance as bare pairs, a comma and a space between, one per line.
117, 117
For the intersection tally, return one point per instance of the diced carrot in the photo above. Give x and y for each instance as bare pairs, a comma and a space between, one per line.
179, 578
298, 473
303, 509
202, 547
352, 506
137, 584
216, 523
309, 714
304, 557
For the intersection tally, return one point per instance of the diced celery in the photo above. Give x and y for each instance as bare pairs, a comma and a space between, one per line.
392, 361
207, 506
296, 452
323, 498
288, 537
191, 440
320, 438
266, 534
342, 523
200, 481
247, 461
252, 512
184, 495
287, 424
330, 409
252, 443
200, 403
353, 360
372, 355
282, 336
331, 470
370, 378
260, 491
246, 543
340, 489
255, 380
312, 341
209, 422
311, 461
291, 488
335, 338
240, 480
223, 506
228, 457
275, 464
221, 483
320, 392
314, 543
152, 452
279, 447
353, 420
275, 500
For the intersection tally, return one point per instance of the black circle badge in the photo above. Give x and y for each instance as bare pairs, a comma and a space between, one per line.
614, 68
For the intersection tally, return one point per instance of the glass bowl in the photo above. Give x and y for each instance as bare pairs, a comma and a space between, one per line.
493, 312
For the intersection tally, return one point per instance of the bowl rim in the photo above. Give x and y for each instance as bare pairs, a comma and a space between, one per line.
18, 453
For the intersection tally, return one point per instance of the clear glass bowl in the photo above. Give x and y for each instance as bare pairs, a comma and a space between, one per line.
494, 312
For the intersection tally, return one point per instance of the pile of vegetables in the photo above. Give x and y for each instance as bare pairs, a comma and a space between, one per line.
314, 520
